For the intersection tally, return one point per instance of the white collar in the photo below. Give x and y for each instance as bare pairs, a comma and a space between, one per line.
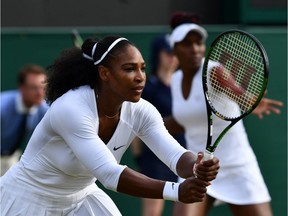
21, 108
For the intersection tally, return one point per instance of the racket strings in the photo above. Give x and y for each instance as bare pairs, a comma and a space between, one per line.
236, 75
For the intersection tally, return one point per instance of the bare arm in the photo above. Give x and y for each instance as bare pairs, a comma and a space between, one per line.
188, 166
136, 147
136, 184
266, 106
172, 125
191, 190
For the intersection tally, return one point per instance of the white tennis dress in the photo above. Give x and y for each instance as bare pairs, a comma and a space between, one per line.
239, 180
65, 156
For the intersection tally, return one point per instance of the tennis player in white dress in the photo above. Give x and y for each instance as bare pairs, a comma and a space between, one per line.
79, 141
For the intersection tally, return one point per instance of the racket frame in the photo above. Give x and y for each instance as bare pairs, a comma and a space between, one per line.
208, 154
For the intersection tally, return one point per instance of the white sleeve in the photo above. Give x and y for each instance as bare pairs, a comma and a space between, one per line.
77, 126
155, 135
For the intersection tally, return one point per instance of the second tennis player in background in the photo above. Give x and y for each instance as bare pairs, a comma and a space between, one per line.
239, 183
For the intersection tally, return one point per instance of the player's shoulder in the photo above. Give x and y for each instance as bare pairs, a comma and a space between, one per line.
140, 108
75, 100
140, 115
78, 94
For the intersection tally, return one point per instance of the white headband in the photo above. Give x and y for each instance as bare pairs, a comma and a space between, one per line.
92, 53
104, 54
180, 32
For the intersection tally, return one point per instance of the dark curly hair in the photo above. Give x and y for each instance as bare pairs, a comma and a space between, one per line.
71, 70
181, 17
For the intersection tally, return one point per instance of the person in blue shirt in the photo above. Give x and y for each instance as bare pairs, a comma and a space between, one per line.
21, 110
157, 91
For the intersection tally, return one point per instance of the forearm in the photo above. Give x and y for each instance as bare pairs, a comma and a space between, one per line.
191, 190
185, 165
139, 185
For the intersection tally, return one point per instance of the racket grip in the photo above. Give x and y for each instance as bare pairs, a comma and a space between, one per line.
207, 155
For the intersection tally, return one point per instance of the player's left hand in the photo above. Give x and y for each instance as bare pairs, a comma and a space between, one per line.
266, 106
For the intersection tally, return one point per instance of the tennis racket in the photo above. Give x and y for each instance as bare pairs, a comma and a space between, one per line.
235, 76
76, 39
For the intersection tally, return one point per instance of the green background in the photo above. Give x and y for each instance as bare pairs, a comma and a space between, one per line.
268, 137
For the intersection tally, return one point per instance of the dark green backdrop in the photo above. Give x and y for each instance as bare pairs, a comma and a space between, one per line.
268, 136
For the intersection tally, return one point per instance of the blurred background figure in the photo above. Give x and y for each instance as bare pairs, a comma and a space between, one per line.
240, 183
158, 92
21, 111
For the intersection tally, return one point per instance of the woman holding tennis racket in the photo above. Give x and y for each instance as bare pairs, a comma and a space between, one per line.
96, 111
239, 183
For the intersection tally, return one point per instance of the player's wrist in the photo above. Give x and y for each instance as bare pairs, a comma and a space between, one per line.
171, 191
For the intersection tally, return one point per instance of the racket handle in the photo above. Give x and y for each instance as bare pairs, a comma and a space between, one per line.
207, 155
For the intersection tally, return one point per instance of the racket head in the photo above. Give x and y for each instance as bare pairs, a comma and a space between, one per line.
235, 74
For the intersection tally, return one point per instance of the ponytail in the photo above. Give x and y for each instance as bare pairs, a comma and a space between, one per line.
69, 71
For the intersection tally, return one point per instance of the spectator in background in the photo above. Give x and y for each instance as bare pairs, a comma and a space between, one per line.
157, 91
21, 111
